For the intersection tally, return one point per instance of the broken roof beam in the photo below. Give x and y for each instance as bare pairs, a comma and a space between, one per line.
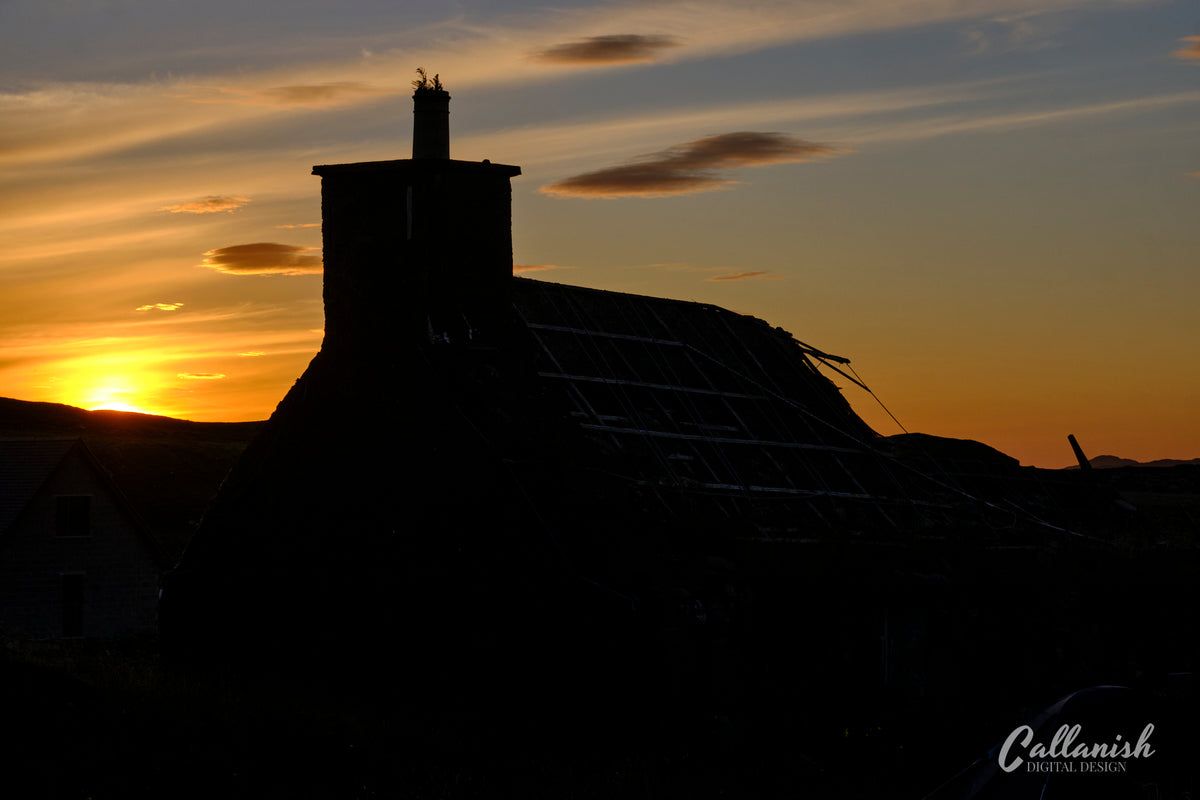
783, 490
602, 334
646, 385
812, 351
723, 439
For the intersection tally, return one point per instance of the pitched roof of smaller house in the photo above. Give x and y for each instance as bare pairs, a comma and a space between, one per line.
25, 466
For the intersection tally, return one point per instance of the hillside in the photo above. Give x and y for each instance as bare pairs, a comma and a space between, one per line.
1116, 462
168, 468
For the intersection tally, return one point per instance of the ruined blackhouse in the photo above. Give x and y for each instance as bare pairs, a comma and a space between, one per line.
483, 469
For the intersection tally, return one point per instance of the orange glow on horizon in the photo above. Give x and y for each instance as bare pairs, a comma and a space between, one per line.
113, 394
117, 405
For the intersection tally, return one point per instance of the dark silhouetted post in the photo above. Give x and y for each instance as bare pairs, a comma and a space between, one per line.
1079, 456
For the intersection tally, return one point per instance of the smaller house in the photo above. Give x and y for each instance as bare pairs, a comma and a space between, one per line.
75, 560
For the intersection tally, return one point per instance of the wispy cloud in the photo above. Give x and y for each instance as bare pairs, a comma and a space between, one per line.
625, 48
208, 205
991, 123
742, 276
691, 167
518, 268
1015, 32
264, 258
1190, 51
615, 136
201, 376
56, 122
252, 354
319, 95
160, 307
717, 27
302, 225
68, 121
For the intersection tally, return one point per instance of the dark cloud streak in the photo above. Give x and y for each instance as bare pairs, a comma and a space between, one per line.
625, 48
264, 258
691, 167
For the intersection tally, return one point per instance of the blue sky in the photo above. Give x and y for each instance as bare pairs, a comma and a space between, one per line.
990, 206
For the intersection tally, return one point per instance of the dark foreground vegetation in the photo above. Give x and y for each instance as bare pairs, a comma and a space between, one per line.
110, 720
808, 710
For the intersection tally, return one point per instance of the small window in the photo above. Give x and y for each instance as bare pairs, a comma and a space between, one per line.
72, 515
72, 604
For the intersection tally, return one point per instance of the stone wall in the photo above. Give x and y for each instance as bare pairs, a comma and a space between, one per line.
415, 250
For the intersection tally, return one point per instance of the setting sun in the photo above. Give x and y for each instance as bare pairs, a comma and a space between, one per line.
113, 396
117, 405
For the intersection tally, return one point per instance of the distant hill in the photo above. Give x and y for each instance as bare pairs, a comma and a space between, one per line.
1115, 462
26, 419
168, 468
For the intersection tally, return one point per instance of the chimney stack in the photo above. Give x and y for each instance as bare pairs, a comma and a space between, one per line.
431, 118
417, 250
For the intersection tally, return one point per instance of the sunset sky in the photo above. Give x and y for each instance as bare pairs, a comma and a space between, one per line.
989, 206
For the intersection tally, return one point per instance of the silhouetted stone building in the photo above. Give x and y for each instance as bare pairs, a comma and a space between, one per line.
516, 484
532, 430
